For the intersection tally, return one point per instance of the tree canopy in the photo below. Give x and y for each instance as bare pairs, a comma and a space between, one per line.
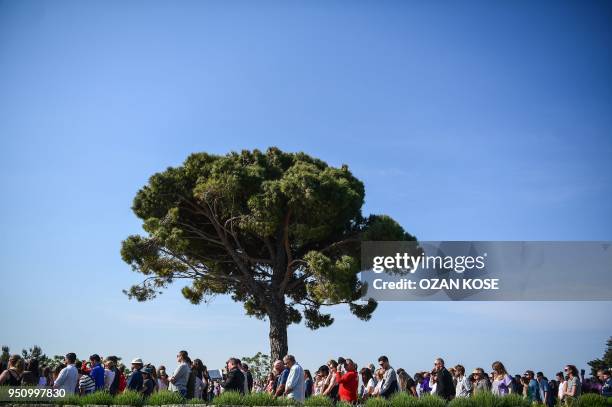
279, 232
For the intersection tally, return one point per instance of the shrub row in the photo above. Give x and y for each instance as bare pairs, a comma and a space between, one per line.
130, 398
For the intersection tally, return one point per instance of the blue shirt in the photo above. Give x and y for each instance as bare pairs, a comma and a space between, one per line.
282, 379
533, 391
97, 374
545, 388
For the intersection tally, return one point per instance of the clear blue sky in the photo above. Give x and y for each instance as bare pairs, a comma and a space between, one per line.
466, 120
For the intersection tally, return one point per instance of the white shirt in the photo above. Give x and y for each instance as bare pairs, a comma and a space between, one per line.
295, 382
67, 379
109, 376
463, 387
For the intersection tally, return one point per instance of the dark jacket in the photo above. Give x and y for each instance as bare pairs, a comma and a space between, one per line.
445, 387
135, 381
249, 378
234, 381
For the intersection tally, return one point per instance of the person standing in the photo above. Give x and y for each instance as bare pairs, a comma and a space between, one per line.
294, 388
180, 377
606, 382
12, 375
481, 381
502, 381
109, 377
348, 382
546, 395
68, 377
389, 384
249, 377
148, 383
162, 380
532, 387
463, 387
331, 386
30, 376
135, 380
308, 383
281, 379
197, 368
87, 384
574, 387
97, 371
235, 378
369, 383
444, 381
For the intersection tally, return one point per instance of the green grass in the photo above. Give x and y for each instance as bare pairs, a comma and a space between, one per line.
429, 400
377, 402
129, 398
100, 398
70, 400
165, 397
592, 400
318, 401
260, 399
229, 398
403, 399
463, 402
343, 404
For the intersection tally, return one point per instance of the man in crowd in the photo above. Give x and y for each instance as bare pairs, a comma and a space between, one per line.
606, 380
248, 375
294, 387
180, 377
348, 381
135, 380
546, 396
235, 378
445, 387
389, 385
69, 376
245, 383
283, 374
533, 388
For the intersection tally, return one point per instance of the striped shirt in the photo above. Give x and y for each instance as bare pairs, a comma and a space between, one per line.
86, 384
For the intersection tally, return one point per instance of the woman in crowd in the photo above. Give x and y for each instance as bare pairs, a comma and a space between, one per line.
331, 387
320, 380
30, 376
380, 373
573, 387
46, 379
480, 381
502, 381
463, 386
369, 383
162, 378
308, 383
12, 375
406, 383
270, 386
197, 367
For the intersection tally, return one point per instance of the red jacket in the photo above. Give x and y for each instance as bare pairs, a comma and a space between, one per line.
349, 381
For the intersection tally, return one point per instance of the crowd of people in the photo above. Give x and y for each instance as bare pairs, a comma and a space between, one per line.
340, 379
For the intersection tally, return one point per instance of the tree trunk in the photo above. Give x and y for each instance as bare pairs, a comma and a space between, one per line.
278, 333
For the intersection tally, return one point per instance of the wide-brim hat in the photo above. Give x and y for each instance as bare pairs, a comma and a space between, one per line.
137, 361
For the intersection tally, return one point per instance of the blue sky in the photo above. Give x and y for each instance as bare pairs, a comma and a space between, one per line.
466, 121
